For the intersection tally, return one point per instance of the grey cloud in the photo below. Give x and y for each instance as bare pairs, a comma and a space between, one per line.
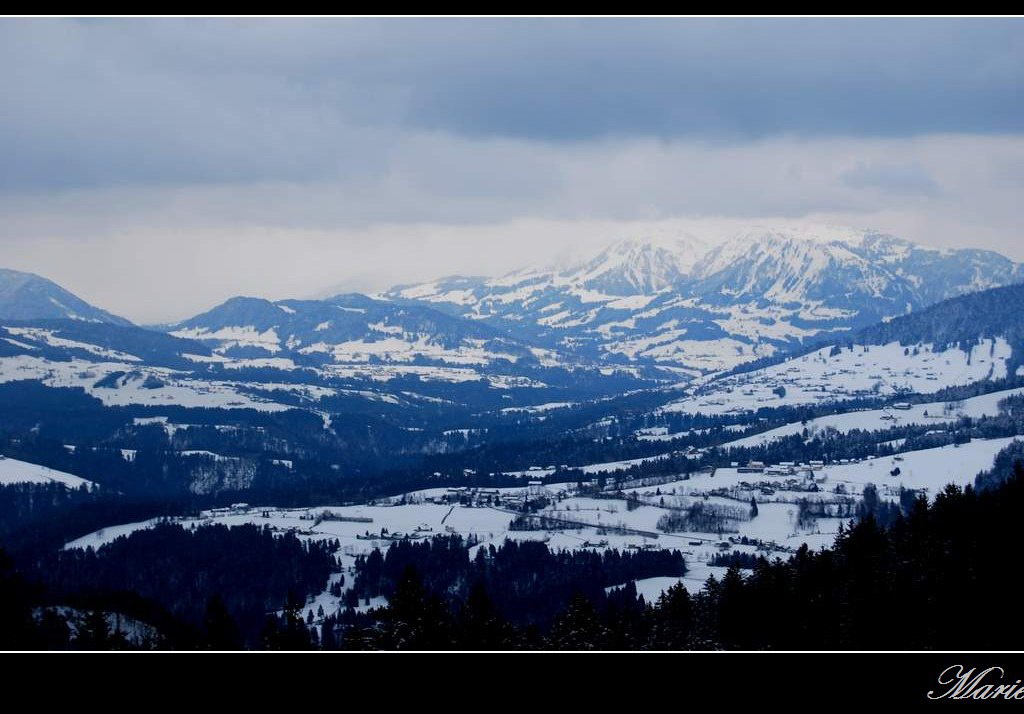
902, 179
476, 206
128, 102
159, 166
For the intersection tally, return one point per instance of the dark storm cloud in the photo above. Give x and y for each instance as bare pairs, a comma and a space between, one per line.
735, 79
136, 102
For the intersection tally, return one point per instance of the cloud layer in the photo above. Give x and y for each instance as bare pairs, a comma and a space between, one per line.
158, 166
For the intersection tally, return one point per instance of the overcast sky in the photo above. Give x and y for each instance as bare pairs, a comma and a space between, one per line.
157, 167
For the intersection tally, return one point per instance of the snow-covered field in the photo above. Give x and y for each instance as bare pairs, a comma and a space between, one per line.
587, 521
14, 471
927, 469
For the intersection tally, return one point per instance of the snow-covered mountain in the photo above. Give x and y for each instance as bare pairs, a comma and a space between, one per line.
26, 296
639, 266
347, 329
679, 301
709, 305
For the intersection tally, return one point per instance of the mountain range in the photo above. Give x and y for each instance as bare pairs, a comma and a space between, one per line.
679, 303
685, 302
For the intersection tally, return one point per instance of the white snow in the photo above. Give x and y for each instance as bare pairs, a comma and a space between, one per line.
236, 336
879, 419
14, 471
177, 390
48, 336
865, 371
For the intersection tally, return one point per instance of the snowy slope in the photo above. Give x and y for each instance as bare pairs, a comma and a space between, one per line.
14, 471
821, 377
937, 413
119, 384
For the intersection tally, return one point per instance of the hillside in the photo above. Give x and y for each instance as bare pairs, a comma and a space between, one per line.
25, 296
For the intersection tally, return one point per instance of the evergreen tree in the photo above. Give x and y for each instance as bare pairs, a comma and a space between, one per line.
480, 627
673, 616
95, 633
17, 629
222, 632
414, 619
288, 632
578, 628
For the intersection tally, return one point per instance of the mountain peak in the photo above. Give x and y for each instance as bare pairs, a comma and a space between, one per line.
640, 265
27, 296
